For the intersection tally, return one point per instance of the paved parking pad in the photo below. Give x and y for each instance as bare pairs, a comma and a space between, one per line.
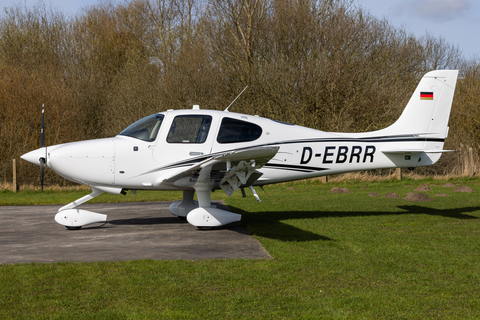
132, 231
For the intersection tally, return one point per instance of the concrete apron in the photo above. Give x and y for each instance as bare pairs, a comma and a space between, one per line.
133, 231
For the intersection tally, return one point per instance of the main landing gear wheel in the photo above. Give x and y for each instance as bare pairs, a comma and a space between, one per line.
73, 228
205, 228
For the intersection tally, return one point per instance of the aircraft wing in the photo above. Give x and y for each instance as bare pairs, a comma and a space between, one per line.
228, 171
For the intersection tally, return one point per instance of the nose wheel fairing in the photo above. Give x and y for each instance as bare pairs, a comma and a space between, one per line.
73, 218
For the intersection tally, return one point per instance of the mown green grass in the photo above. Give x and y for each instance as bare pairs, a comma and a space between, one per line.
335, 256
48, 197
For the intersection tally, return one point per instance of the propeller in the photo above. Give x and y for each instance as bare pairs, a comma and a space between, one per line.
42, 145
42, 169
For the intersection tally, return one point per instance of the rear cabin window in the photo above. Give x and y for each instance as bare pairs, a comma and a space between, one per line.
233, 131
189, 129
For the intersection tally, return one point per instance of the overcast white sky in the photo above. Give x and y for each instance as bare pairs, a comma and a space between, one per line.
458, 21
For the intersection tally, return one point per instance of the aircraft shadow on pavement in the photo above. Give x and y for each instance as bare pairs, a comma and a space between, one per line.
273, 227
134, 221
270, 224
151, 219
146, 221
167, 220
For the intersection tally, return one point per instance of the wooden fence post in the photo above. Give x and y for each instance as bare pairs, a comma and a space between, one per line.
14, 176
470, 162
398, 173
324, 179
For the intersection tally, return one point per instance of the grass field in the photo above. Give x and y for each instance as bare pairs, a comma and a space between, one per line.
335, 256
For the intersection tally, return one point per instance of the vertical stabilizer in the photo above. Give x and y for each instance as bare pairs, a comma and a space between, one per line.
428, 110
423, 126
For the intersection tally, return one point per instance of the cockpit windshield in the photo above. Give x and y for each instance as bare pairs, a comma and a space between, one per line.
145, 129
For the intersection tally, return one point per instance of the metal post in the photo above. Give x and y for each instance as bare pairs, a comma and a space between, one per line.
14, 176
470, 162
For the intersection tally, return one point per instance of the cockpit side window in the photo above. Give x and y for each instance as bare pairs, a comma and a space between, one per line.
233, 131
145, 129
189, 129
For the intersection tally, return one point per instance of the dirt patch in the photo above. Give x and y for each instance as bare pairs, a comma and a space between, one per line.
373, 194
392, 195
449, 185
423, 188
408, 186
442, 195
338, 190
290, 188
412, 196
463, 189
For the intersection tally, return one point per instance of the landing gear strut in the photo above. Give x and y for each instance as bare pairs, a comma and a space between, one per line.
182, 207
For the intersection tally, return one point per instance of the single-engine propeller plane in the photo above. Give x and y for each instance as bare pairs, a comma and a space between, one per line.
203, 150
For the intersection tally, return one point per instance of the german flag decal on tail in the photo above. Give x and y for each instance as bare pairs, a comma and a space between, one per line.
426, 95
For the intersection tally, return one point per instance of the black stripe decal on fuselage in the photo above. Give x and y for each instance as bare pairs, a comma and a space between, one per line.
382, 139
294, 167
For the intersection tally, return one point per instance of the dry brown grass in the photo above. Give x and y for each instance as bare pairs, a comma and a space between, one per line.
31, 187
362, 176
366, 176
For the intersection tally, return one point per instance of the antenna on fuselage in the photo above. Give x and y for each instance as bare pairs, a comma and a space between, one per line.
235, 99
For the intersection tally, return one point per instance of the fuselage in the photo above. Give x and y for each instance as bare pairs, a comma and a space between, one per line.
156, 147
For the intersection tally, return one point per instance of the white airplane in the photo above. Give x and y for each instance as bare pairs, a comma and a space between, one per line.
203, 150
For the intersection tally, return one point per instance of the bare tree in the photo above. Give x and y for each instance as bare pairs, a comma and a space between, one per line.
324, 64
